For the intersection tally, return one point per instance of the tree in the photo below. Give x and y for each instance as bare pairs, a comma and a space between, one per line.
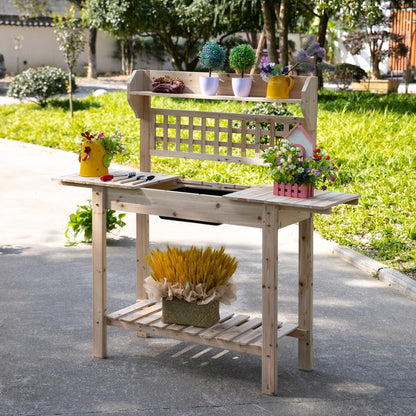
92, 43
374, 32
32, 8
70, 36
120, 19
181, 26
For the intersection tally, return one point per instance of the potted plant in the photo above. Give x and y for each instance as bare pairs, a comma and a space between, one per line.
212, 56
295, 175
168, 84
242, 58
96, 150
279, 81
191, 283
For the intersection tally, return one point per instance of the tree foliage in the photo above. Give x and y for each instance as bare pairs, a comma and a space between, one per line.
181, 26
71, 41
373, 31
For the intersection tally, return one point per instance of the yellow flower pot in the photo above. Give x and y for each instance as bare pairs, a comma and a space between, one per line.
92, 159
279, 86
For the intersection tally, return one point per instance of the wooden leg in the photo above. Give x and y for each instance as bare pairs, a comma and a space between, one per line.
269, 300
99, 263
305, 306
142, 249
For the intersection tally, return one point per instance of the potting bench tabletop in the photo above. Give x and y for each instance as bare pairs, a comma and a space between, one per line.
223, 137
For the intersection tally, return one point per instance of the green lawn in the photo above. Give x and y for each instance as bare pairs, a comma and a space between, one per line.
371, 136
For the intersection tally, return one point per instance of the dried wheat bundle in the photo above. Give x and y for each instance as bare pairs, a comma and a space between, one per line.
194, 274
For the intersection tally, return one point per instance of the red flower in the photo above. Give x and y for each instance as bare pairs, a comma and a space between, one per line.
327, 158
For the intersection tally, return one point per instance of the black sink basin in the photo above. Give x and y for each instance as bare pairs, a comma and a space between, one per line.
200, 191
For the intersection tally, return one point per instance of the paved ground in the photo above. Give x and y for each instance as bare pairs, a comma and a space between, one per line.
364, 348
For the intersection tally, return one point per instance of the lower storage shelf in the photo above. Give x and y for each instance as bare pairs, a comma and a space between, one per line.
235, 332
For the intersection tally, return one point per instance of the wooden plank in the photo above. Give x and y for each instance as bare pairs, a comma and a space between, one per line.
219, 328
142, 249
99, 274
249, 337
305, 293
195, 330
216, 97
269, 300
129, 309
209, 208
239, 330
135, 316
149, 319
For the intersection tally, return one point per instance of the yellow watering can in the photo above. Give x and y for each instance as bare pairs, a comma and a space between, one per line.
279, 86
92, 159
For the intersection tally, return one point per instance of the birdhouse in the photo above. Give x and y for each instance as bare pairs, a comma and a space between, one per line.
300, 138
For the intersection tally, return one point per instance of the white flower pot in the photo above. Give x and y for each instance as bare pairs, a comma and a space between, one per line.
209, 85
241, 86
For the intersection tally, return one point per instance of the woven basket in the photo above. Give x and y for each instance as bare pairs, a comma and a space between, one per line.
181, 312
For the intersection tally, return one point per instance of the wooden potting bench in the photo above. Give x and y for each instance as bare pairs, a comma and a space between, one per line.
223, 137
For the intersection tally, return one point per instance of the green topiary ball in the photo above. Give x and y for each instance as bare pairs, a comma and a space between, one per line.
212, 55
242, 58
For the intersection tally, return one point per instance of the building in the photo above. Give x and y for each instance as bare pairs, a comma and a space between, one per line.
28, 43
404, 23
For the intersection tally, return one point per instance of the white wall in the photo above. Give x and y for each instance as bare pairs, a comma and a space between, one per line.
39, 47
363, 60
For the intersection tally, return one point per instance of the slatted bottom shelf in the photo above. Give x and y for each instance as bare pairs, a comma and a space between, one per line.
235, 332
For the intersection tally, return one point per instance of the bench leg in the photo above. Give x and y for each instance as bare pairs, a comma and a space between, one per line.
142, 249
99, 274
269, 300
305, 305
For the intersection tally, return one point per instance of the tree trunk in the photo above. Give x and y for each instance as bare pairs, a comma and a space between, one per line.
70, 91
282, 15
323, 25
269, 24
92, 53
259, 52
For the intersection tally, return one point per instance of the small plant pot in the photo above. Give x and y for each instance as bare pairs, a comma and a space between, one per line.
94, 160
241, 86
293, 191
209, 85
180, 312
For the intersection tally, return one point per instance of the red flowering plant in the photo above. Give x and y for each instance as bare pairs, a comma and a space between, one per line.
111, 143
288, 165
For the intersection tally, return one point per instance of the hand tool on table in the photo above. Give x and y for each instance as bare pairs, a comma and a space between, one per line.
118, 176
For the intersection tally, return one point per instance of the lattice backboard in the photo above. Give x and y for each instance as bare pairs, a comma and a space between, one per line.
224, 137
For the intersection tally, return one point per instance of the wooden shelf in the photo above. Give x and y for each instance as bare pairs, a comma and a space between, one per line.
235, 332
216, 97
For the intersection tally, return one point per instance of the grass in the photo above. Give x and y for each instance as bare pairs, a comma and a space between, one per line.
370, 135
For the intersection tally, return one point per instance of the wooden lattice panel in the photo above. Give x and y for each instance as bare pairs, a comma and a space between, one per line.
224, 137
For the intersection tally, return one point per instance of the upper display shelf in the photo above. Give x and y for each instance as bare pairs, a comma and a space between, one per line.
215, 97
140, 83
303, 93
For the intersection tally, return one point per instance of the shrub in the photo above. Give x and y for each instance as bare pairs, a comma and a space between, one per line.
40, 84
274, 109
344, 74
